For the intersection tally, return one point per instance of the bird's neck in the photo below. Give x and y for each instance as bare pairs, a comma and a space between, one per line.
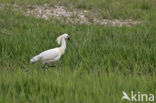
63, 44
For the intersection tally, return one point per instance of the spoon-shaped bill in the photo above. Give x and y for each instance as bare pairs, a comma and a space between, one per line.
72, 43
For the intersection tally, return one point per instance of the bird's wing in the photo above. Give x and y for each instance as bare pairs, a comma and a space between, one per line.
49, 54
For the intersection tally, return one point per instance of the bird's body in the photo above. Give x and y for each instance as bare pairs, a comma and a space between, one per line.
52, 55
48, 56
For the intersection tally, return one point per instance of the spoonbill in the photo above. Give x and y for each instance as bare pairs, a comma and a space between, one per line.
52, 55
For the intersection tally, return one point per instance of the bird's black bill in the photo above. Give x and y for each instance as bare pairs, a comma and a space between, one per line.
69, 39
74, 46
72, 43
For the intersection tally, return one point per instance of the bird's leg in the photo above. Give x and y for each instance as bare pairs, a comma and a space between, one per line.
44, 66
58, 65
50, 65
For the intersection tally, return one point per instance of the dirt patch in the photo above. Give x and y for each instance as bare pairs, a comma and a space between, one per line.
47, 11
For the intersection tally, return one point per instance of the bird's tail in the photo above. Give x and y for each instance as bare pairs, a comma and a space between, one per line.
35, 58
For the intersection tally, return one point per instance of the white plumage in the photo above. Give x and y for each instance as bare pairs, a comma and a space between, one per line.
52, 55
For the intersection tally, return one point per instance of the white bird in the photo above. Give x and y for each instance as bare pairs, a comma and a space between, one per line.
52, 55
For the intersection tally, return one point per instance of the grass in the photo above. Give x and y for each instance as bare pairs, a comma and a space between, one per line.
112, 59
69, 86
111, 9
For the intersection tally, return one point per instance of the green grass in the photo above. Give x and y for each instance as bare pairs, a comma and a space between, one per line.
111, 9
112, 59
69, 86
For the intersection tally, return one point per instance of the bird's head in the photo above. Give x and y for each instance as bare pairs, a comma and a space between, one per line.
63, 36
